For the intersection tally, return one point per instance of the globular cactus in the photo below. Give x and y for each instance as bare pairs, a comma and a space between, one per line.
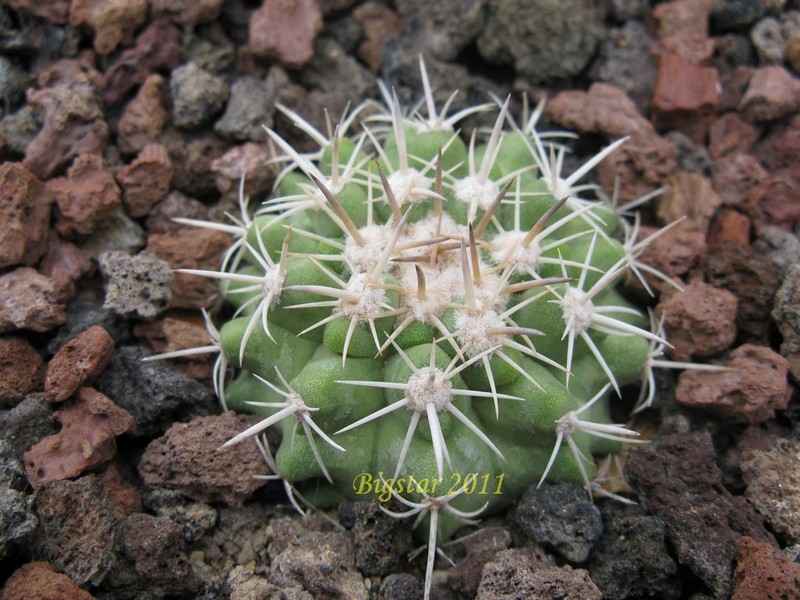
431, 319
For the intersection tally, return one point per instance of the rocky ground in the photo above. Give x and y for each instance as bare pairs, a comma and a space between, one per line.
120, 115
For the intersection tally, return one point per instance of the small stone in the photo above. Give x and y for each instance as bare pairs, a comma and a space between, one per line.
730, 134
188, 12
562, 517
25, 206
769, 41
729, 226
481, 548
152, 561
119, 233
700, 321
631, 559
77, 529
154, 394
686, 97
113, 21
687, 17
189, 458
249, 161
782, 247
736, 15
750, 392
774, 201
191, 248
691, 157
31, 302
733, 175
194, 518
146, 181
89, 426
772, 476
20, 370
442, 29
144, 116
137, 286
179, 333
248, 111
692, 49
773, 93
55, 12
197, 96
689, 197
191, 161
73, 122
85, 197
65, 265
786, 314
17, 522
123, 499
379, 539
680, 483
176, 204
26, 424
157, 48
18, 129
377, 22
401, 586
78, 363
673, 252
777, 151
515, 574
764, 572
285, 30
39, 581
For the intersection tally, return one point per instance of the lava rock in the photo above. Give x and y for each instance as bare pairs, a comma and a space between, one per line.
786, 313
631, 559
197, 96
379, 540
402, 586
153, 393
562, 517
79, 362
17, 523
138, 286
25, 208
32, 301
763, 572
285, 31
82, 315
194, 518
20, 370
144, 116
26, 423
37, 581
248, 111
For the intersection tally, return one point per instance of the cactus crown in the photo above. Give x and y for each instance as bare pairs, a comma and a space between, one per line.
439, 317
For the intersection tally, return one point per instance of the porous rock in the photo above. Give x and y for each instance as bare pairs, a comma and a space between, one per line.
189, 458
379, 540
25, 213
285, 30
197, 96
137, 286
113, 21
153, 393
680, 483
17, 522
31, 301
146, 181
20, 369
786, 314
772, 476
86, 439
764, 572
79, 362
39, 581
144, 116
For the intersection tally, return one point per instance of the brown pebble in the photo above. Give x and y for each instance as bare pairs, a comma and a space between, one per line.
78, 363
285, 30
20, 370
39, 581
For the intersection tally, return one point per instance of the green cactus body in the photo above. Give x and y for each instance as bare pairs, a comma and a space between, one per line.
430, 318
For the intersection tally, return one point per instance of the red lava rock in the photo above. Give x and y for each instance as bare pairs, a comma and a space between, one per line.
249, 161
695, 50
773, 201
144, 117
87, 195
680, 483
20, 370
187, 12
700, 321
731, 134
734, 84
786, 315
764, 572
377, 22
78, 363
73, 119
53, 11
86, 439
689, 197
176, 204
179, 333
146, 180
191, 248
157, 47
30, 301
25, 207
64, 264
674, 252
123, 499
481, 549
285, 30
772, 475
729, 226
734, 175
686, 97
191, 160
773, 93
753, 278
751, 392
188, 458
39, 581
113, 21
687, 17
780, 149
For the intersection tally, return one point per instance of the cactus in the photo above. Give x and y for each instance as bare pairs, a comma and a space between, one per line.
439, 317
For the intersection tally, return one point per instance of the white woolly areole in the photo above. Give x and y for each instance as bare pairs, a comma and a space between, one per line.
272, 283
408, 185
296, 401
473, 331
363, 256
441, 287
578, 310
365, 302
476, 191
428, 385
507, 248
